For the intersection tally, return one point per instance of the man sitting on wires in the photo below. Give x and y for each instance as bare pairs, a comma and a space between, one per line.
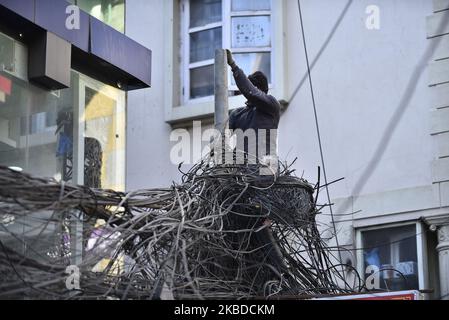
255, 127
258, 121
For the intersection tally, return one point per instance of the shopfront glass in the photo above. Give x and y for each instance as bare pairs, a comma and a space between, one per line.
75, 135
111, 12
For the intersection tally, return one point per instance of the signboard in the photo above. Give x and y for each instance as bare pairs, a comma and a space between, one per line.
251, 32
399, 295
5, 88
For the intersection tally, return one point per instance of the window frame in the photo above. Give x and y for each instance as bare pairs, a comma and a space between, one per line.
225, 24
186, 31
227, 34
421, 248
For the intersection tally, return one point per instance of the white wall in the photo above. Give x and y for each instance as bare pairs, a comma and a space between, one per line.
148, 163
359, 82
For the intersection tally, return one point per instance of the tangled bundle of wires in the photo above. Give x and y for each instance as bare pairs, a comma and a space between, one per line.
223, 232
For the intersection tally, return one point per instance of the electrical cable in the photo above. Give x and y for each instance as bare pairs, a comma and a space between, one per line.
317, 126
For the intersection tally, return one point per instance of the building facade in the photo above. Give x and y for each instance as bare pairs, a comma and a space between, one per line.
379, 71
380, 79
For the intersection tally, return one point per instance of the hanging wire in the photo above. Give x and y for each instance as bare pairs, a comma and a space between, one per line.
318, 128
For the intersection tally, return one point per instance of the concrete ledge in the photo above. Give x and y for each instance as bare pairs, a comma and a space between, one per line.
388, 202
440, 5
435, 25
440, 170
442, 47
444, 191
439, 121
439, 72
440, 95
442, 140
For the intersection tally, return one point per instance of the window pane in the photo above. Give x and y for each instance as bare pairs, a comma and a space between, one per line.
251, 31
252, 62
204, 43
104, 144
27, 140
202, 82
6, 53
111, 12
203, 12
393, 251
251, 5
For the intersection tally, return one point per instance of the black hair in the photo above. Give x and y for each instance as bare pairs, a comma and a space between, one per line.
259, 79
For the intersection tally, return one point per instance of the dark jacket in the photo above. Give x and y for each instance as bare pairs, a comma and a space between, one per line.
262, 110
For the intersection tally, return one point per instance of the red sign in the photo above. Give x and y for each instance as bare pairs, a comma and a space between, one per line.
5, 85
399, 295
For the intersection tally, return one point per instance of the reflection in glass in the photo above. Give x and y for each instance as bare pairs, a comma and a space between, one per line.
6, 53
111, 12
252, 62
30, 136
204, 43
104, 146
251, 32
203, 12
201, 82
36, 136
251, 5
39, 130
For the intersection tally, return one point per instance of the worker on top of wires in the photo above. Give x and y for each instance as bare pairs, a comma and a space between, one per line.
259, 119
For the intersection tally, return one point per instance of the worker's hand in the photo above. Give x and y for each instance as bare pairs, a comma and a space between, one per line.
231, 61
267, 223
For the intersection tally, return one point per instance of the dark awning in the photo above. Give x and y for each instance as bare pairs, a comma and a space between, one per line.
98, 50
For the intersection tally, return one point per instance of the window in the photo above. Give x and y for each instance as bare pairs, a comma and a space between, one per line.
243, 26
392, 253
111, 12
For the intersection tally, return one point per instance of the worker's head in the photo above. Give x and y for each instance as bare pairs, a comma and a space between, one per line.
259, 80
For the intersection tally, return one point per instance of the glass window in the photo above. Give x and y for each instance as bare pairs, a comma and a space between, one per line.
252, 62
204, 12
253, 31
6, 53
205, 15
28, 140
251, 5
202, 81
204, 43
111, 12
248, 36
104, 139
393, 252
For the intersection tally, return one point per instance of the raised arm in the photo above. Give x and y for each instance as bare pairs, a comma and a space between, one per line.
250, 91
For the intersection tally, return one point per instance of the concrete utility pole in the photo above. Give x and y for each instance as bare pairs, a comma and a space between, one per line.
221, 89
